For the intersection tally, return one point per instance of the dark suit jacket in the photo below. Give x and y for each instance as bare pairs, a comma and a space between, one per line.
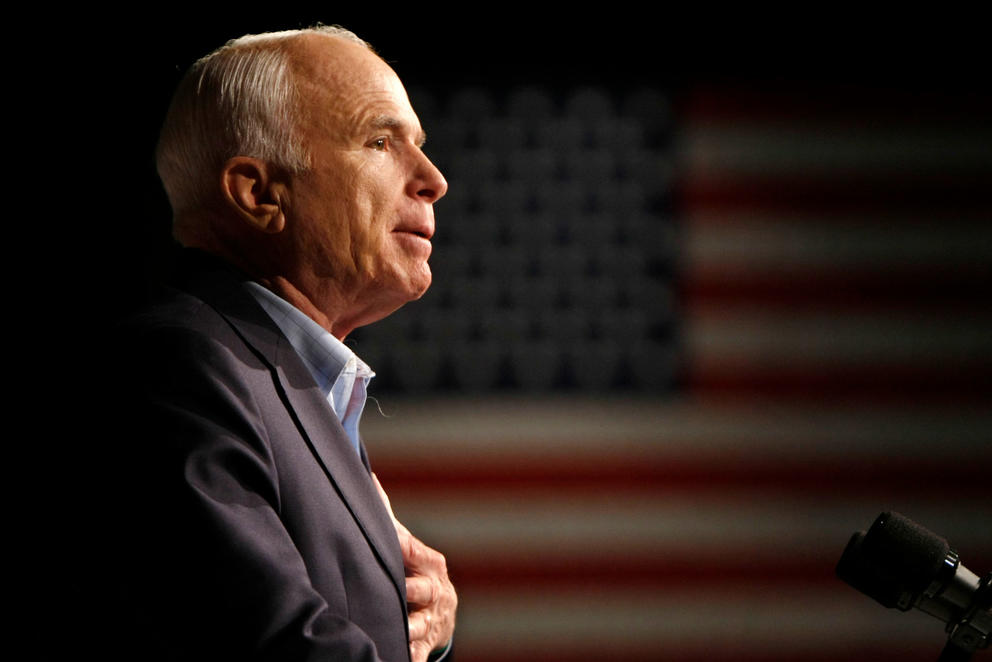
246, 525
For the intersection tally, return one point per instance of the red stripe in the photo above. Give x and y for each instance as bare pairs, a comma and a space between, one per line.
879, 222
924, 290
953, 382
715, 471
835, 105
723, 649
964, 193
703, 570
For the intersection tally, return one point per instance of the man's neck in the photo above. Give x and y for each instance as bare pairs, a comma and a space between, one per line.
288, 291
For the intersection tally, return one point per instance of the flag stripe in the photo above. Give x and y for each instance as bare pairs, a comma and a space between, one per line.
863, 475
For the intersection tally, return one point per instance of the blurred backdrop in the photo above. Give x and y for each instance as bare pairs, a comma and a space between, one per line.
709, 296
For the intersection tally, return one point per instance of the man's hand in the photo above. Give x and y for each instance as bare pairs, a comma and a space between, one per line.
431, 597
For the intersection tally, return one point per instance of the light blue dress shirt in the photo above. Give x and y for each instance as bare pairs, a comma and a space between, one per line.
342, 377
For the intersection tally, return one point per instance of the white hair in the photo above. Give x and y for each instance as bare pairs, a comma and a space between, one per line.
240, 100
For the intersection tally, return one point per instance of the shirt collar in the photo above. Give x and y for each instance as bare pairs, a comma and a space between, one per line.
328, 359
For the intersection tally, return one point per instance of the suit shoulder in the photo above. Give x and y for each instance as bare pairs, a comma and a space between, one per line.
179, 337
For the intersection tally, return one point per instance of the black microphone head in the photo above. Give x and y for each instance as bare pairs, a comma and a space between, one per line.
895, 562
855, 569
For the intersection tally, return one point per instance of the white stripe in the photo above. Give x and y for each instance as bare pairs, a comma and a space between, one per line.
816, 525
780, 147
457, 430
745, 239
752, 617
767, 336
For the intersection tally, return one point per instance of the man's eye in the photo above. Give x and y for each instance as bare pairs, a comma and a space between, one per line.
380, 144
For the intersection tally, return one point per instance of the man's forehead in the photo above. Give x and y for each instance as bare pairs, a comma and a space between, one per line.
349, 79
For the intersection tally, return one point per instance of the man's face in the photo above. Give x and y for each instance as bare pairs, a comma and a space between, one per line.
361, 218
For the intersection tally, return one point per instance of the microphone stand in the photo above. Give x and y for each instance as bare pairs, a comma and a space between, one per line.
973, 629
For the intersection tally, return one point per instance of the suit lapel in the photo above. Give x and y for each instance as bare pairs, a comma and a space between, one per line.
316, 421
343, 465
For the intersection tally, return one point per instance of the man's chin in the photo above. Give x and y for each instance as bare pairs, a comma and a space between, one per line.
417, 294
412, 290
419, 285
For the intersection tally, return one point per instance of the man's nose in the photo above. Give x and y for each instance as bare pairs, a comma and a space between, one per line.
429, 184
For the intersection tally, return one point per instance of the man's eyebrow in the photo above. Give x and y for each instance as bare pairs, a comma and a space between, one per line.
389, 122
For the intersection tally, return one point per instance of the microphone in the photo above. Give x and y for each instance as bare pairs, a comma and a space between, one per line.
902, 565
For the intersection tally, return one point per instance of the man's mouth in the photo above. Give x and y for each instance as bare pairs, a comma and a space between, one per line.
424, 232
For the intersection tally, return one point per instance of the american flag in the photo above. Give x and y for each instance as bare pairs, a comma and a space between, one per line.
833, 343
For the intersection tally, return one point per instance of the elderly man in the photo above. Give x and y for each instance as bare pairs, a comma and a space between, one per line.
256, 530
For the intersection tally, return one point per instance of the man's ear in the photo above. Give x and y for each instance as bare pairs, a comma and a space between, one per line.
251, 190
